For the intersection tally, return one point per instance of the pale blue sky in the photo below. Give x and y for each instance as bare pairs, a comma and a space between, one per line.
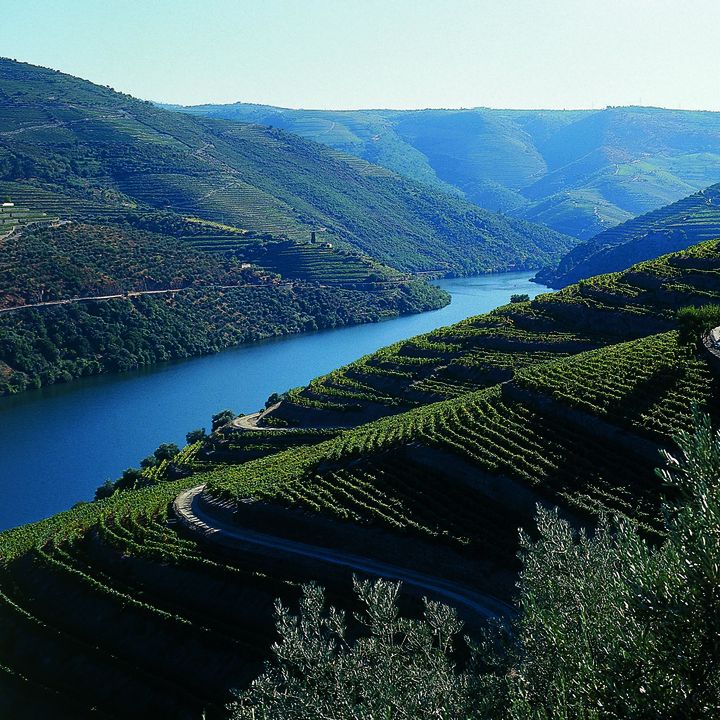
381, 53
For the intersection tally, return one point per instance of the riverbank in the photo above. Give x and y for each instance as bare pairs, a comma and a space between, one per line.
60, 443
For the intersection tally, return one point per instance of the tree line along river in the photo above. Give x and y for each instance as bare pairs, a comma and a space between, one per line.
57, 444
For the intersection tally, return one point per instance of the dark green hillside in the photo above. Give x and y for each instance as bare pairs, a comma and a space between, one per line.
484, 350
139, 615
667, 229
76, 260
70, 147
579, 172
148, 297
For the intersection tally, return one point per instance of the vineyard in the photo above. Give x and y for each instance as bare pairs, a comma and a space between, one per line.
488, 349
70, 147
648, 385
482, 420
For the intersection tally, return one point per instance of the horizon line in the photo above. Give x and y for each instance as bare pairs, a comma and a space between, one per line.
592, 108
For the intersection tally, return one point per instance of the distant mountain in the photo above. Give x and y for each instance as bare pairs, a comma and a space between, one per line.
579, 172
74, 147
667, 229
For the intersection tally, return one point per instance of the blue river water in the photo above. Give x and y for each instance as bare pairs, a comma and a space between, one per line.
57, 444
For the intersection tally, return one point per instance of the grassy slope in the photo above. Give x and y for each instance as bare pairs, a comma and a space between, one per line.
134, 618
110, 152
578, 172
666, 229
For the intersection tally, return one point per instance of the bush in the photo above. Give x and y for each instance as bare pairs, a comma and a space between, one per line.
274, 398
396, 668
612, 627
195, 436
222, 418
519, 298
129, 479
148, 462
166, 451
695, 321
105, 490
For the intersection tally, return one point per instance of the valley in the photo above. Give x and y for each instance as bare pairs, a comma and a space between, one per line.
96, 426
436, 487
577, 171
365, 414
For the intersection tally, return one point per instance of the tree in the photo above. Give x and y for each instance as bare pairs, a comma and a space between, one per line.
195, 436
222, 418
608, 626
148, 462
166, 451
397, 668
273, 399
129, 479
613, 626
105, 490
519, 298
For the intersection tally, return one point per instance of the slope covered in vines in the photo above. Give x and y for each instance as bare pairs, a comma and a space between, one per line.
135, 615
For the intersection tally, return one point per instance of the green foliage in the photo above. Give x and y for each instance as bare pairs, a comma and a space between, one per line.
222, 418
579, 172
600, 622
667, 229
519, 298
695, 321
195, 436
602, 618
105, 490
58, 343
166, 451
481, 351
649, 384
396, 667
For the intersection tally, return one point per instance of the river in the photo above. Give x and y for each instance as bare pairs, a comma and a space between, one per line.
57, 444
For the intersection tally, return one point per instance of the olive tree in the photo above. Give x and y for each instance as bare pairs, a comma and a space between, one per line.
396, 668
616, 625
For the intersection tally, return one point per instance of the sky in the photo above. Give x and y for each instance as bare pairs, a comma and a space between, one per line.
349, 54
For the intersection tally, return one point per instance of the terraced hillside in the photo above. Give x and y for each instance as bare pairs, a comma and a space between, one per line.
667, 229
13, 217
488, 349
71, 148
579, 172
137, 614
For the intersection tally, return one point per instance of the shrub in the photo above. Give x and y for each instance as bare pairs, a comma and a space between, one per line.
396, 668
519, 298
222, 418
105, 490
166, 451
608, 626
695, 321
612, 627
195, 436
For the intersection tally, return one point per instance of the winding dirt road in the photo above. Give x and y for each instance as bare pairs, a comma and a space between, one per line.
191, 515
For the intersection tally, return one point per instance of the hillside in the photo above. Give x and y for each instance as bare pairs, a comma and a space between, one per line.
75, 149
489, 349
80, 299
667, 229
140, 614
578, 172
